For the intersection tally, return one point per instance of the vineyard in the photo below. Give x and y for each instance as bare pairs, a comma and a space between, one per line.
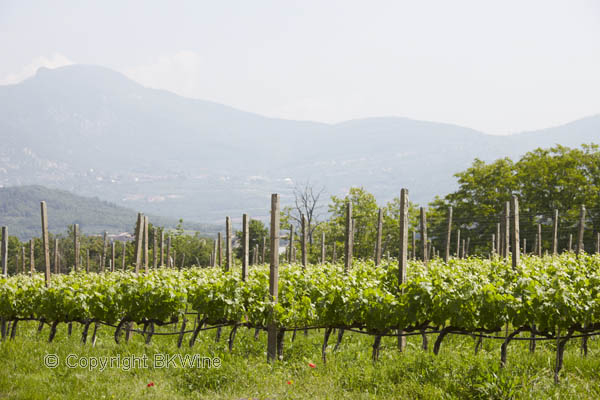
428, 298
553, 298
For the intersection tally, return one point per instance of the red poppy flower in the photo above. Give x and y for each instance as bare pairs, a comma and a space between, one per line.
312, 365
150, 384
289, 382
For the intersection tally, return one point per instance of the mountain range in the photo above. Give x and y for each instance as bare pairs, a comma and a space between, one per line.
92, 131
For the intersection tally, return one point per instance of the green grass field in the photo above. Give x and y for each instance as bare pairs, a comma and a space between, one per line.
456, 373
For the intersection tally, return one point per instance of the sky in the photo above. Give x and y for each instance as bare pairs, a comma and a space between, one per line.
497, 66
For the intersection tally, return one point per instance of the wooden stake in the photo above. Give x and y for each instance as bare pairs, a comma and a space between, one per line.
113, 257
498, 240
228, 254
23, 259
56, 257
155, 249
31, 256
5, 251
145, 244
458, 243
139, 227
323, 247
219, 250
245, 246
515, 227
304, 252
580, 248
403, 256
291, 244
45, 245
214, 255
169, 265
506, 238
555, 234
570, 242
162, 247
273, 276
348, 242
76, 245
104, 247
448, 234
378, 237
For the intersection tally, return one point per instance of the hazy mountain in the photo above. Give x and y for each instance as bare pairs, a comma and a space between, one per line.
93, 131
20, 211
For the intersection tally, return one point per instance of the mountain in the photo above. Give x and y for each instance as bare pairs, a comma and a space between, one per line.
20, 211
92, 131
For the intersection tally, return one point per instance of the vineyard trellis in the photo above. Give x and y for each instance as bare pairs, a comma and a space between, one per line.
553, 297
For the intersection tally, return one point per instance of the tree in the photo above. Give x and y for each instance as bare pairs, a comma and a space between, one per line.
543, 179
306, 202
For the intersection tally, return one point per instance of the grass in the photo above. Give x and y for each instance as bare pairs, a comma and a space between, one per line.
456, 373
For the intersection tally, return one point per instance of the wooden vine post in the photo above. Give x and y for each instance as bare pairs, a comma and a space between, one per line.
448, 234
506, 238
76, 245
23, 259
31, 256
570, 242
423, 226
162, 248
304, 252
138, 242
580, 250
56, 256
291, 244
458, 243
555, 233
4, 251
145, 244
539, 242
155, 248
219, 250
228, 253
348, 241
213, 262
323, 247
245, 246
113, 256
264, 250
403, 256
516, 239
378, 238
581, 229
498, 240
273, 276
104, 246
45, 244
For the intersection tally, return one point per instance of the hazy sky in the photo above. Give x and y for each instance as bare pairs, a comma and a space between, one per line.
497, 66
